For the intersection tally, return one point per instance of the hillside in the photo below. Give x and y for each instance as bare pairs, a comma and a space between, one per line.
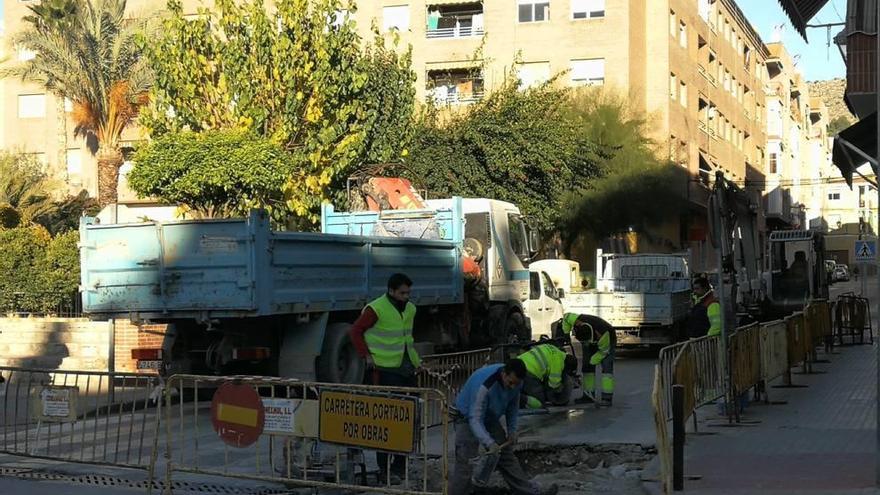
831, 92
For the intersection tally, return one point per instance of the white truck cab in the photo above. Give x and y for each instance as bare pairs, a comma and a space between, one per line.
497, 237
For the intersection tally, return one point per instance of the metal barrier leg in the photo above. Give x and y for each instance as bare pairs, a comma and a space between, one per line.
678, 437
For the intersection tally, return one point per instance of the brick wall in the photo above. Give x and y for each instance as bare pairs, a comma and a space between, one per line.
131, 336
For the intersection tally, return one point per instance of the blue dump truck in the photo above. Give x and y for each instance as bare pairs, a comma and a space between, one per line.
242, 298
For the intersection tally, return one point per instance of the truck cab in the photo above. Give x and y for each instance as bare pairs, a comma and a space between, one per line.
497, 238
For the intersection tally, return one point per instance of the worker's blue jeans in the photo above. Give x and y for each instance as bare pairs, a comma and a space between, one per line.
467, 448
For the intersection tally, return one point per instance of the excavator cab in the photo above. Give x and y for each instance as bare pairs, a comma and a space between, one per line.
796, 269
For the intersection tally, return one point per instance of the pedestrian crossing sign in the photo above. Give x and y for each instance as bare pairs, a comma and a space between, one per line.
865, 250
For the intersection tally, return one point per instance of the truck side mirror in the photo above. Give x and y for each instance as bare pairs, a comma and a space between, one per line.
534, 242
560, 293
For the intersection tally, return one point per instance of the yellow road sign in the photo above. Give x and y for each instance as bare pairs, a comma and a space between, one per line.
358, 420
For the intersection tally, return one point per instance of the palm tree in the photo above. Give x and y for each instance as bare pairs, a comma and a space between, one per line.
88, 52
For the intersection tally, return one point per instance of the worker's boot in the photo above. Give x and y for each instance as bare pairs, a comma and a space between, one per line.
587, 398
606, 400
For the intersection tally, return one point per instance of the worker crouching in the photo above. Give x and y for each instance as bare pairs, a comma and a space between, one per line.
548, 381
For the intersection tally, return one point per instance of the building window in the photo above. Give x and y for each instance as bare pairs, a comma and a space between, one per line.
455, 86
533, 74
587, 9
590, 71
455, 21
834, 196
31, 106
673, 26
774, 165
683, 94
74, 166
682, 34
395, 17
532, 11
673, 85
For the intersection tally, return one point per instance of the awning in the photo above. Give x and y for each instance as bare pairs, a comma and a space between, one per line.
854, 146
801, 11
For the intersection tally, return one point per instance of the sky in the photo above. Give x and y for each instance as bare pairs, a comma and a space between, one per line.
817, 60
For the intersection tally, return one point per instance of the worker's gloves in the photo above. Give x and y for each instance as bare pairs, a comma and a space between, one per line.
492, 448
597, 358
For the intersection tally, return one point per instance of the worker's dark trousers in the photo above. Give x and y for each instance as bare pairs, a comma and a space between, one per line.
607, 368
547, 396
467, 450
398, 462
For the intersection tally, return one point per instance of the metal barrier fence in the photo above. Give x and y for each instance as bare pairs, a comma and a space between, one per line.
704, 358
774, 350
81, 416
757, 354
447, 373
852, 320
303, 433
661, 419
744, 349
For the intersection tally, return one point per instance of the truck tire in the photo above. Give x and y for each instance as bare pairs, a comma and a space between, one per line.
339, 362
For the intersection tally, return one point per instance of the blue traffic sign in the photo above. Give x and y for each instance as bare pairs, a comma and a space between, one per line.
865, 250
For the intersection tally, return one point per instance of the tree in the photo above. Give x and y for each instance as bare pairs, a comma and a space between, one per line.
641, 189
38, 273
216, 173
839, 123
295, 76
86, 52
28, 196
518, 146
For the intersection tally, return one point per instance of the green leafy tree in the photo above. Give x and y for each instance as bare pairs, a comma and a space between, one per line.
38, 273
296, 76
86, 51
839, 123
215, 173
641, 189
519, 146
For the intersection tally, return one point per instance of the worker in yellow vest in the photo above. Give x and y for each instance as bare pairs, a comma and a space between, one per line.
548, 376
598, 340
383, 336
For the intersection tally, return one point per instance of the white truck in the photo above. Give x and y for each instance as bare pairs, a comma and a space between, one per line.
646, 297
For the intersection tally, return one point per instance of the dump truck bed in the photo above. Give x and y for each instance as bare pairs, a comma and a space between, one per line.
240, 268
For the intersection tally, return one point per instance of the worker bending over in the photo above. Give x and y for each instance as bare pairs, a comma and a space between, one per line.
548, 376
491, 392
598, 340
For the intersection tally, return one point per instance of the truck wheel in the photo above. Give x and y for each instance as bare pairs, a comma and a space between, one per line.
339, 362
515, 328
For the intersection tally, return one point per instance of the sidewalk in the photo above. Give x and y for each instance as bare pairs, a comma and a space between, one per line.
821, 441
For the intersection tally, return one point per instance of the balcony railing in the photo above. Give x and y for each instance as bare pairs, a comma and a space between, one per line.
703, 127
454, 32
457, 98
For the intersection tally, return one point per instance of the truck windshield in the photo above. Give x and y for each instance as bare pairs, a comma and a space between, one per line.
518, 239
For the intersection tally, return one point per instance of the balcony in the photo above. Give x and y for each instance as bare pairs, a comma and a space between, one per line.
455, 21
703, 127
455, 87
